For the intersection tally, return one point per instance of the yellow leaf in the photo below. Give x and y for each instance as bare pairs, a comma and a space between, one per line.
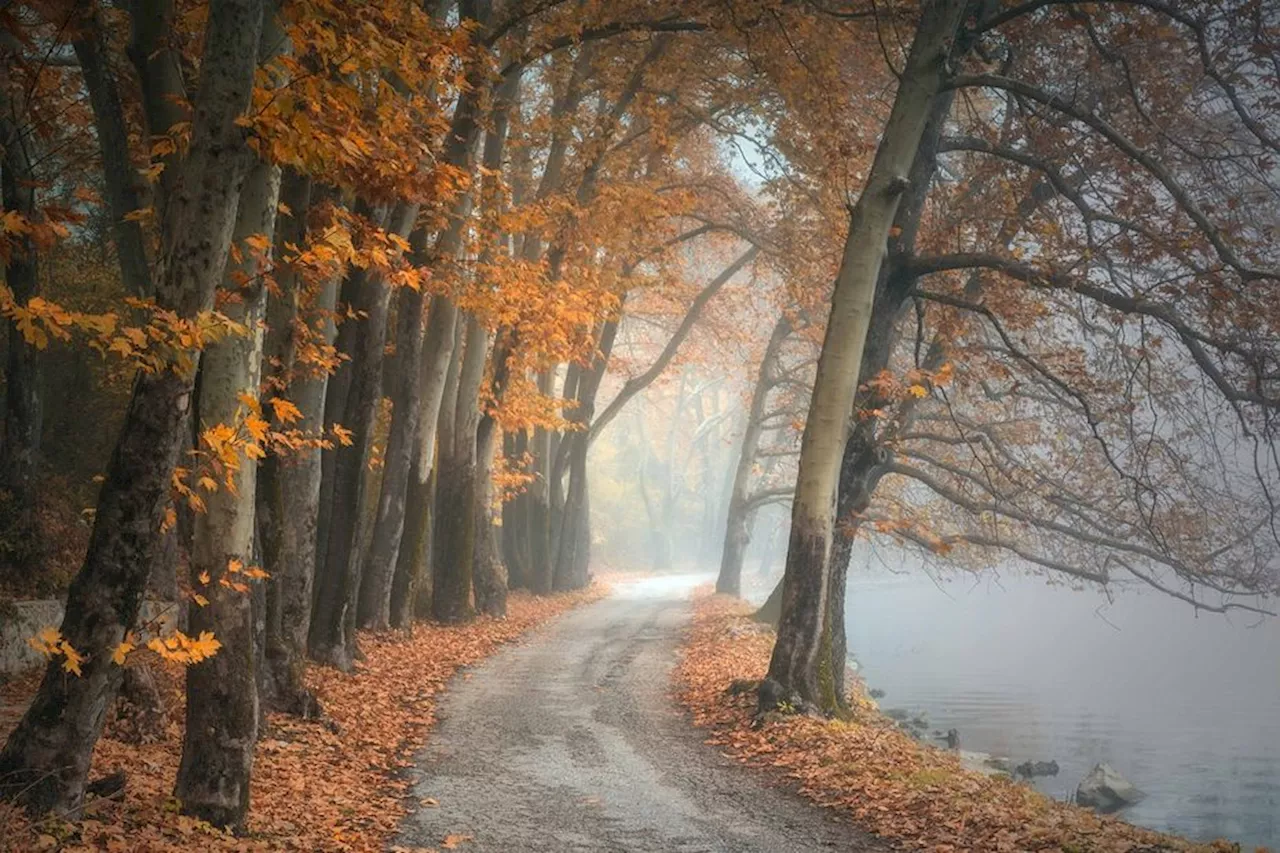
257, 427
73, 661
919, 391
47, 641
121, 652
285, 411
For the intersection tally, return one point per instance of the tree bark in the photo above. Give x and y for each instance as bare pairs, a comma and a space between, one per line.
412, 570
331, 639
541, 565
152, 50
570, 566
800, 664
45, 762
412, 556
454, 539
738, 523
23, 400
453, 529
515, 523
124, 191
376, 580
420, 375
489, 574
222, 692
289, 487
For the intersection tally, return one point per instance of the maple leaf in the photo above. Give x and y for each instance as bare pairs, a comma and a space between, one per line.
121, 652
285, 411
48, 641
73, 658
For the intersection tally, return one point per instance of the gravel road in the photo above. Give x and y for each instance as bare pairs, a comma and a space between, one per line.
571, 742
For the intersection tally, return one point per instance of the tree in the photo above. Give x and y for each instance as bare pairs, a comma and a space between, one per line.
46, 759
1079, 174
741, 507
797, 665
222, 693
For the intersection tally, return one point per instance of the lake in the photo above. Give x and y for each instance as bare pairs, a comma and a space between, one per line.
1186, 707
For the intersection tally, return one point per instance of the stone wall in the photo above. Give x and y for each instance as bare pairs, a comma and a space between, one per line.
21, 620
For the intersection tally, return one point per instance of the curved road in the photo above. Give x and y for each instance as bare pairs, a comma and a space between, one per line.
571, 742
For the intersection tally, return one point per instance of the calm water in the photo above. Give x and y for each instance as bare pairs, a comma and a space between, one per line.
1187, 708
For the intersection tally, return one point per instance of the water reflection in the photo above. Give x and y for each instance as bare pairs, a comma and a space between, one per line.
1187, 708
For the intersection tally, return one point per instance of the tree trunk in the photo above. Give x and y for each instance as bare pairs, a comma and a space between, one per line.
738, 524
412, 556
46, 759
412, 566
123, 184
570, 567
771, 610
454, 541
489, 572
541, 566
332, 637
289, 487
23, 409
515, 523
376, 581
222, 692
337, 390
407, 400
800, 665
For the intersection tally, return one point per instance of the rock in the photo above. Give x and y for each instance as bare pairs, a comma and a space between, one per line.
1105, 790
981, 762
1032, 769
875, 693
898, 714
952, 738
996, 762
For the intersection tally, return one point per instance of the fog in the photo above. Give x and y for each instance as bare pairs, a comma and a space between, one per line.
1185, 704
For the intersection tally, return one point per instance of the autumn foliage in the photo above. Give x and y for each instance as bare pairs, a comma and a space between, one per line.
340, 784
915, 795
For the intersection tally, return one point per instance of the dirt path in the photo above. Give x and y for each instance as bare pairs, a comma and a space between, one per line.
571, 743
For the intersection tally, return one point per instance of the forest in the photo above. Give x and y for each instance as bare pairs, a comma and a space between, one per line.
325, 321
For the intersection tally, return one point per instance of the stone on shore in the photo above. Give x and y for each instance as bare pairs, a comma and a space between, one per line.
1106, 791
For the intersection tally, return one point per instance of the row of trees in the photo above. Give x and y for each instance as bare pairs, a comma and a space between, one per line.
377, 256
1014, 277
